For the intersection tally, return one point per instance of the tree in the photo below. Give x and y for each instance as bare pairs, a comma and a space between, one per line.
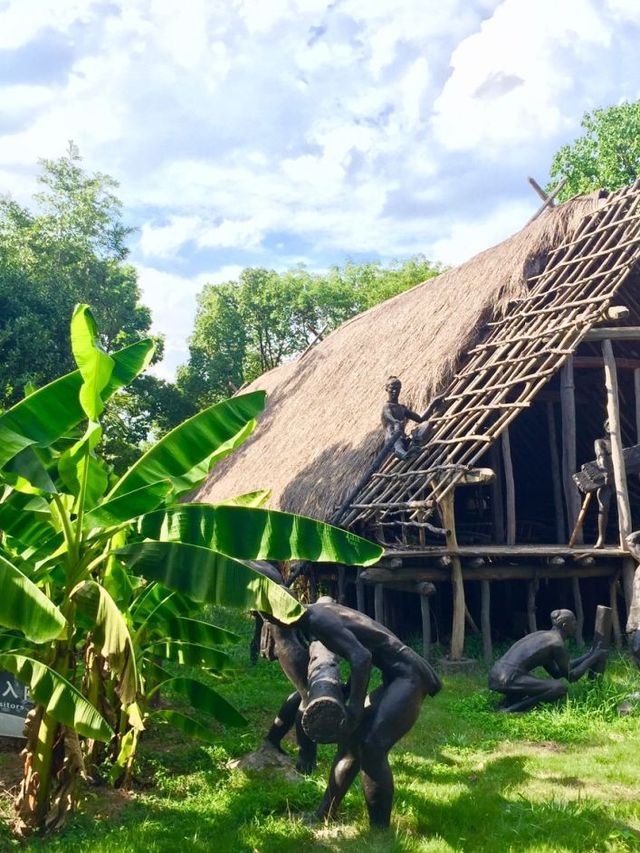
606, 156
100, 575
246, 327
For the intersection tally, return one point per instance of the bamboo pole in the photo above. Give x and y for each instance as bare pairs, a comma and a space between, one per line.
617, 459
510, 491
555, 473
485, 620
458, 617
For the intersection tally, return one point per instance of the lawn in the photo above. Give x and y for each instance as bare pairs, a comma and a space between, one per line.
467, 778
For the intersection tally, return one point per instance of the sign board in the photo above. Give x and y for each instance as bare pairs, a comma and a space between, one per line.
15, 704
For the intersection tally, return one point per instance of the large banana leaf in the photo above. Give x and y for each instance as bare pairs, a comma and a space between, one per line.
26, 473
253, 533
60, 699
203, 698
189, 654
204, 575
50, 412
26, 608
128, 506
110, 634
93, 363
192, 630
186, 725
180, 455
26, 518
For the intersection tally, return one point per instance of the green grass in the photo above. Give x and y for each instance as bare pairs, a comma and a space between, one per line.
563, 778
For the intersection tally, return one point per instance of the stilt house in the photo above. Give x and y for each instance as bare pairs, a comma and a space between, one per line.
518, 357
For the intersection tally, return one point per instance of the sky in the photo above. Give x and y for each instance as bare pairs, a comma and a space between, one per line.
281, 132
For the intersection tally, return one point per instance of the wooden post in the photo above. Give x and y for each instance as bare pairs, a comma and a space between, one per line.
510, 491
360, 599
631, 587
579, 611
378, 603
602, 634
425, 591
636, 388
325, 716
341, 584
555, 473
568, 410
617, 460
615, 616
532, 589
457, 622
485, 620
497, 502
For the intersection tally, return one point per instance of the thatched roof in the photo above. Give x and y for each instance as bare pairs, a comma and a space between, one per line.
321, 427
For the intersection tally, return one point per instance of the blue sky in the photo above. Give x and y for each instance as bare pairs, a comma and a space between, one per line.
278, 132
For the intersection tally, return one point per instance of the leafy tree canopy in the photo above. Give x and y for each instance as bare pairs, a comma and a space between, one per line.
607, 155
251, 325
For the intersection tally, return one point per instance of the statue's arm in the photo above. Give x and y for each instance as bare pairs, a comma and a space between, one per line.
558, 664
413, 416
585, 662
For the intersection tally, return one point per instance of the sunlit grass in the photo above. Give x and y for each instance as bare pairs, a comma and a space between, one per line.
562, 778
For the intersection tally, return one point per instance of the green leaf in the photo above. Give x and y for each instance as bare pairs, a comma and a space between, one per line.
180, 455
50, 412
94, 364
186, 725
203, 698
204, 575
192, 630
110, 634
71, 467
128, 506
190, 654
27, 519
253, 533
26, 473
60, 699
257, 498
26, 608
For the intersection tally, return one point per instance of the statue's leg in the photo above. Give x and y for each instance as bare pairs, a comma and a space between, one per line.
284, 720
526, 691
307, 749
343, 771
603, 496
394, 714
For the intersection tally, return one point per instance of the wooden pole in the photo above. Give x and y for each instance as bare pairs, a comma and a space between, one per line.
510, 491
555, 473
378, 603
636, 388
485, 620
568, 410
458, 617
341, 584
497, 502
360, 599
580, 520
532, 588
602, 634
631, 587
617, 460
579, 611
425, 612
615, 616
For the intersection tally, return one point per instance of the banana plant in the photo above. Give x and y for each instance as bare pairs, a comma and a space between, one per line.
103, 579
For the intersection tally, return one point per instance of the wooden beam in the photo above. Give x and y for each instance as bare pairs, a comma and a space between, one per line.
510, 491
611, 333
485, 620
548, 202
617, 460
568, 409
594, 362
457, 619
538, 189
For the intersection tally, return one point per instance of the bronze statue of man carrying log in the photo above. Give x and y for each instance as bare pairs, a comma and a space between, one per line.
511, 674
371, 727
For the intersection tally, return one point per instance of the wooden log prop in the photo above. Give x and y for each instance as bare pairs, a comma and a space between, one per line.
602, 634
325, 716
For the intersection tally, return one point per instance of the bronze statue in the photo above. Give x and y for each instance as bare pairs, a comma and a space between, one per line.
374, 726
511, 676
633, 619
394, 419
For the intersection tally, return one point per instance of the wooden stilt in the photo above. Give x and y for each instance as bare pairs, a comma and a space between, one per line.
555, 473
425, 612
458, 617
636, 388
497, 502
631, 587
532, 589
579, 611
568, 409
510, 492
341, 584
485, 620
615, 615
360, 597
378, 603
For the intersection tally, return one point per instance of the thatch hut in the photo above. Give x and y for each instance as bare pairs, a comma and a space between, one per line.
518, 356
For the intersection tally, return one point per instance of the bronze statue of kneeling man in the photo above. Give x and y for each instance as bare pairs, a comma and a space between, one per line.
511, 673
374, 726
